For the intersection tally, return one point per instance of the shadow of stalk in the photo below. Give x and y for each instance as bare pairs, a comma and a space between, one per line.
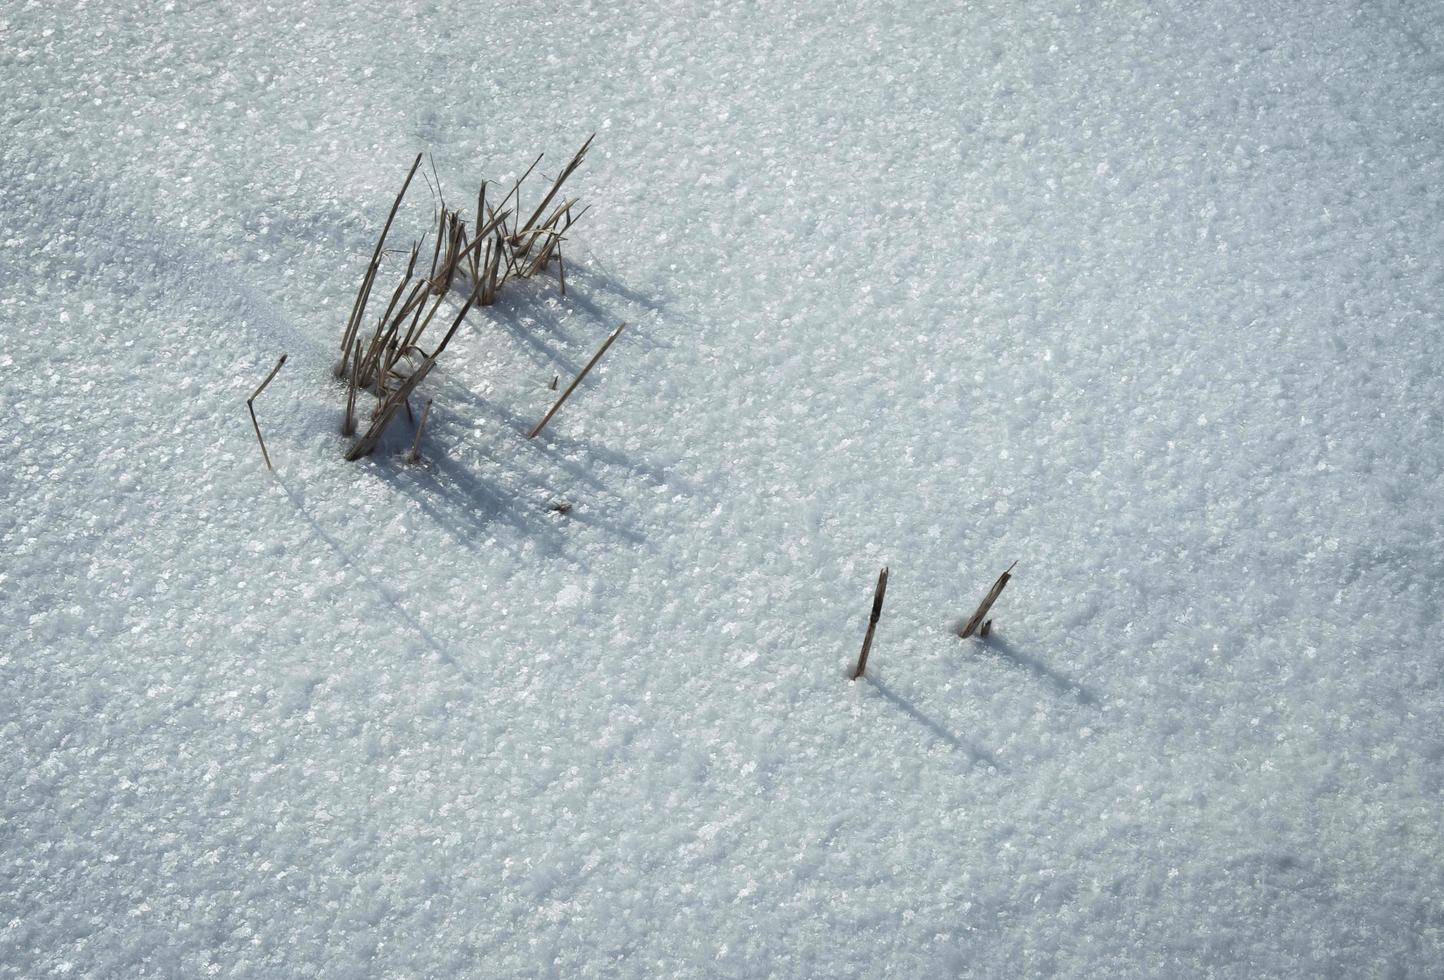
975, 753
413, 627
1063, 685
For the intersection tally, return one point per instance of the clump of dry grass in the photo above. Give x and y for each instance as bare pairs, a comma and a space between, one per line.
481, 255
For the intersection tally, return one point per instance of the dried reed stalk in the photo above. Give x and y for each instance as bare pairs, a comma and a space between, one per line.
987, 603
390, 405
418, 325
480, 216
495, 249
455, 247
358, 309
567, 171
516, 187
415, 455
250, 407
382, 332
482, 238
878, 593
363, 296
348, 425
576, 381
392, 402
436, 250
414, 302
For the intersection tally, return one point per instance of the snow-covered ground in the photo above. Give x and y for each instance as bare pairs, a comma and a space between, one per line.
1144, 296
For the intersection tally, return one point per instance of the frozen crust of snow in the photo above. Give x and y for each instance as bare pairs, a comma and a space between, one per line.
1147, 297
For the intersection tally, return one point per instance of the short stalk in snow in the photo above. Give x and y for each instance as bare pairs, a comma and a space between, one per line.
578, 380
250, 407
971, 626
415, 456
877, 596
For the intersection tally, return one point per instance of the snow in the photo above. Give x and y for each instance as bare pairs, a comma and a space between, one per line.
1146, 298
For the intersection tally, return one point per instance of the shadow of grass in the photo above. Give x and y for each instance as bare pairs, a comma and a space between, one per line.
387, 600
976, 754
1060, 683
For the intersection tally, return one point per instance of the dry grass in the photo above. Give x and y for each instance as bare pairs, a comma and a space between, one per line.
971, 625
878, 593
363, 295
576, 381
480, 255
251, 407
415, 455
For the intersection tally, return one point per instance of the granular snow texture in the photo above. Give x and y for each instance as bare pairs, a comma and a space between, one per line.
1146, 297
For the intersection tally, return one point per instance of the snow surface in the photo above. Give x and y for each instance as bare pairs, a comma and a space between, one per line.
1145, 296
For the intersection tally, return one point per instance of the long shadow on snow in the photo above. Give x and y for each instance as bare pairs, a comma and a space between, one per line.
461, 503
974, 752
534, 314
465, 504
591, 290
553, 443
1060, 683
595, 274
594, 283
556, 446
349, 560
456, 496
520, 314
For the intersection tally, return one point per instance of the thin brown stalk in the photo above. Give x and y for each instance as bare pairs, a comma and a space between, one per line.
877, 596
389, 407
516, 187
418, 326
493, 224
387, 360
353, 322
553, 245
506, 254
415, 456
436, 252
348, 425
250, 407
543, 255
363, 294
576, 381
462, 242
547, 228
574, 218
455, 324
381, 326
480, 217
379, 334
487, 295
382, 335
393, 401
987, 603
440, 195
557, 184
454, 249
498, 254
417, 299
